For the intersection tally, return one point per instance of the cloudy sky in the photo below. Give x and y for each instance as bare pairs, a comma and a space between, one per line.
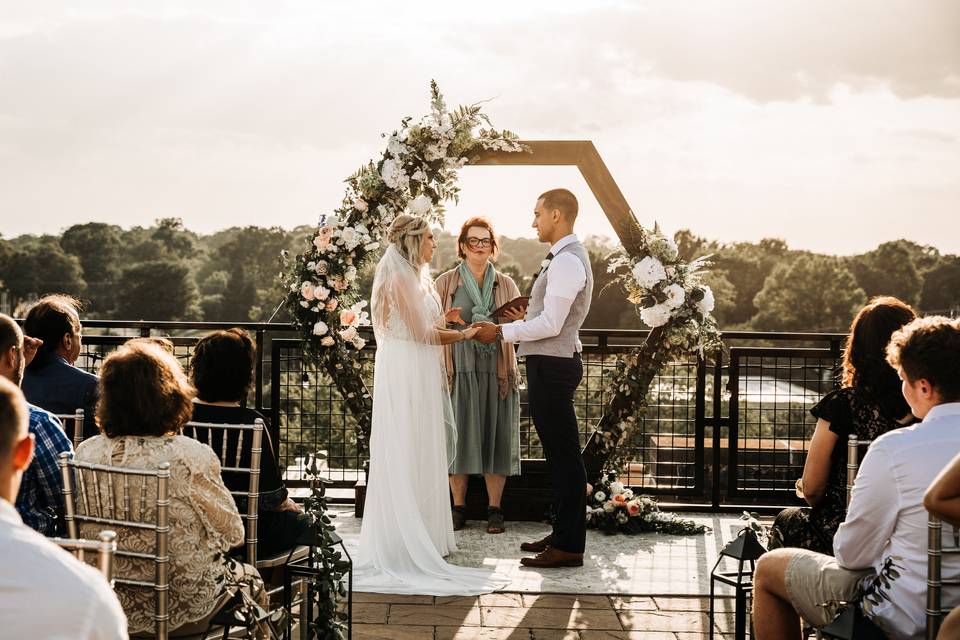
833, 125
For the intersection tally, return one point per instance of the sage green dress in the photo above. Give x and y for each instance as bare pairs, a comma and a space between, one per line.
488, 426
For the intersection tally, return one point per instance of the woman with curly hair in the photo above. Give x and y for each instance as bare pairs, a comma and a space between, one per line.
145, 399
868, 404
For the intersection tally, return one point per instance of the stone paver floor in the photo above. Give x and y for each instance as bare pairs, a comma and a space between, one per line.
532, 616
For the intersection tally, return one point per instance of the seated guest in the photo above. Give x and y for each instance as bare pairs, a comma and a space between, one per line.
145, 399
881, 547
52, 381
40, 500
222, 372
47, 593
868, 405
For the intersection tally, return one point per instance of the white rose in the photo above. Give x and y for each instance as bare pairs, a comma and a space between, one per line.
421, 205
599, 496
349, 334
327, 341
350, 237
609, 507
360, 205
616, 487
627, 493
320, 328
655, 316
705, 305
675, 296
649, 272
393, 175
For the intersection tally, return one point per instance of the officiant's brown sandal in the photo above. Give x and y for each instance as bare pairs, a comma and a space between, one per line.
495, 523
459, 517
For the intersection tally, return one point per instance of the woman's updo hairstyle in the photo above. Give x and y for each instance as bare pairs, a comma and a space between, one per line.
406, 234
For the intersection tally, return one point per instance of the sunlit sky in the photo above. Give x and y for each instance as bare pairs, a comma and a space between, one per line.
835, 126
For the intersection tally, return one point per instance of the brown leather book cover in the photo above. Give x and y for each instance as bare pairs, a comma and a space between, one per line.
519, 302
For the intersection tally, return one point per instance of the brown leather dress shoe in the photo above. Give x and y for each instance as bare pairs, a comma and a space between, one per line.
538, 546
553, 558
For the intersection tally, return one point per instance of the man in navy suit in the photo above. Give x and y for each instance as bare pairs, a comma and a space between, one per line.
52, 382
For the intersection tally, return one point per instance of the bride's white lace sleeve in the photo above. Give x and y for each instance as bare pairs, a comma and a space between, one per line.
399, 300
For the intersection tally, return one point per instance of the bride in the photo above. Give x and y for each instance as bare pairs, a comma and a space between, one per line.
407, 527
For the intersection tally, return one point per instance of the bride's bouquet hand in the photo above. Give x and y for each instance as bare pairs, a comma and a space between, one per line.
470, 332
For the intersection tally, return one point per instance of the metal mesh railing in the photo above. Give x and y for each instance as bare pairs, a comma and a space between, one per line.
733, 427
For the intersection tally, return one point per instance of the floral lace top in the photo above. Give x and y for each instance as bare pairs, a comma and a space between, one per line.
848, 411
204, 525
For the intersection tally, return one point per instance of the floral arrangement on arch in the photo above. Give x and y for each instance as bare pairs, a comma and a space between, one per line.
672, 299
416, 173
613, 508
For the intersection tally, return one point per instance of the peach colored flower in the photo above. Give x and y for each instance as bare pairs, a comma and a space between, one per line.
633, 507
332, 304
618, 498
347, 317
306, 290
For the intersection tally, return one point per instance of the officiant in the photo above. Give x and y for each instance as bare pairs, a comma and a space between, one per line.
484, 381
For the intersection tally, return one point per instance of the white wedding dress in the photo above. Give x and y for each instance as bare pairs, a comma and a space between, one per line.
407, 527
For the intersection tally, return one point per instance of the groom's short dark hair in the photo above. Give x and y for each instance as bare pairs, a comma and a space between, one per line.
562, 199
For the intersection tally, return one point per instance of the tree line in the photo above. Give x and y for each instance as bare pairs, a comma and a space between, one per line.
167, 272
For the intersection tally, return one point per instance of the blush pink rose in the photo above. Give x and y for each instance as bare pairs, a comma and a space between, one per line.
347, 317
633, 507
332, 304
619, 499
306, 290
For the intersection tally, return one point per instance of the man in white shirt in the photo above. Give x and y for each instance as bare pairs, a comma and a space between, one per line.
885, 531
44, 591
549, 340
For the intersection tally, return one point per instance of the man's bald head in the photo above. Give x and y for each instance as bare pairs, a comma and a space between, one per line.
14, 418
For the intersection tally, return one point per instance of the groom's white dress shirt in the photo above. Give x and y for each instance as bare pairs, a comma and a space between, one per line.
566, 276
47, 593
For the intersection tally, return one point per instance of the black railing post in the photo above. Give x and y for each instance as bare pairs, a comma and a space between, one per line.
718, 420
700, 427
258, 374
733, 425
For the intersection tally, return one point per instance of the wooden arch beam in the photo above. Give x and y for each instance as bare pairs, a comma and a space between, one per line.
583, 155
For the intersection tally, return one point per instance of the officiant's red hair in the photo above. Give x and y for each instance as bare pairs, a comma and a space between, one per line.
482, 223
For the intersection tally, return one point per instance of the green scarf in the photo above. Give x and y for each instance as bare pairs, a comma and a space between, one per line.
482, 299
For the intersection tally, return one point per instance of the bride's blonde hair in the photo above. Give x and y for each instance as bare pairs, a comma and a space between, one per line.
406, 233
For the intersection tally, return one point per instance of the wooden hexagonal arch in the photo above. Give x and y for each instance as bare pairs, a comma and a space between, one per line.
584, 155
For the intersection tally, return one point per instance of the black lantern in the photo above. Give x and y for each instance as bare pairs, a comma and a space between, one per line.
745, 548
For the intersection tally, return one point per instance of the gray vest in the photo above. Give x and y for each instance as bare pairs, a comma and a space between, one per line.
567, 342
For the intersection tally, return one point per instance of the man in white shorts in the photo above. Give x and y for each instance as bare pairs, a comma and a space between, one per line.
885, 531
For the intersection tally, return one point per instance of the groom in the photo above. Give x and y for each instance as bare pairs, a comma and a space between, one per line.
549, 338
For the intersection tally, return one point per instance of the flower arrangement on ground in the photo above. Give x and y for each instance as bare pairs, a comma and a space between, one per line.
613, 508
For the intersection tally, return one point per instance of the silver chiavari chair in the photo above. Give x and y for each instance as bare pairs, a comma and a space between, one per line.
73, 425
935, 581
853, 461
105, 546
125, 499
228, 441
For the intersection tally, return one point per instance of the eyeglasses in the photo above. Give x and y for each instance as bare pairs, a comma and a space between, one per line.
479, 242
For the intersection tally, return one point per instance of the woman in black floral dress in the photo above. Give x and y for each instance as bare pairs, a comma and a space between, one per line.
868, 404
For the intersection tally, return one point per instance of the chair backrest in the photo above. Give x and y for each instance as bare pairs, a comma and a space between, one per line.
73, 425
118, 497
853, 461
935, 581
230, 442
105, 547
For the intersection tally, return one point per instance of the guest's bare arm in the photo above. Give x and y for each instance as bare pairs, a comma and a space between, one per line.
816, 470
943, 495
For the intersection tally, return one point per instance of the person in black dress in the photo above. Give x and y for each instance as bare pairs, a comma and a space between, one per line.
868, 404
222, 371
